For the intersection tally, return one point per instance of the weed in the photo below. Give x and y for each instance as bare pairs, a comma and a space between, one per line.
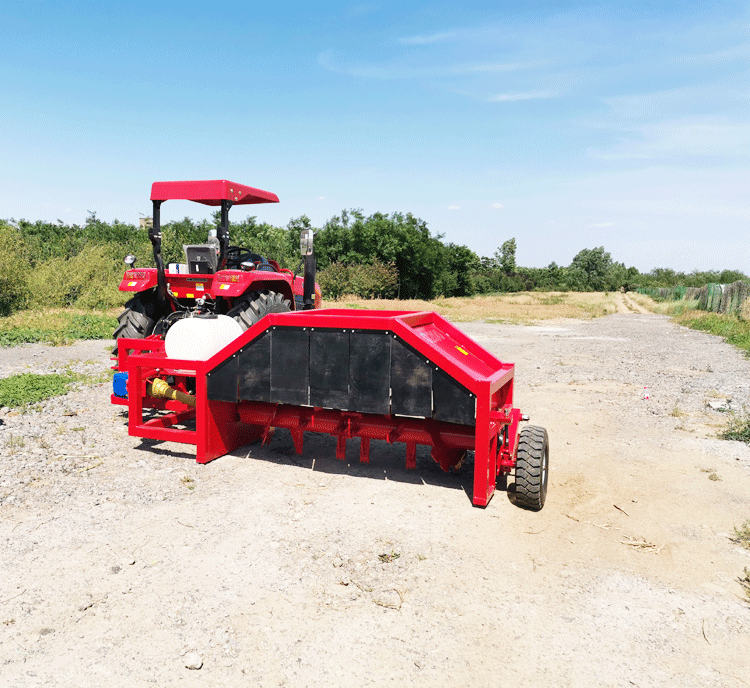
738, 429
389, 557
641, 544
31, 388
55, 326
744, 581
730, 327
556, 299
15, 443
676, 307
188, 482
712, 474
742, 535
677, 412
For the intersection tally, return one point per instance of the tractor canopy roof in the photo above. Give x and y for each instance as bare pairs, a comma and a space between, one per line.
211, 192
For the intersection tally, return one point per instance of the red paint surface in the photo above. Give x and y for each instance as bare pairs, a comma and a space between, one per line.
211, 192
221, 427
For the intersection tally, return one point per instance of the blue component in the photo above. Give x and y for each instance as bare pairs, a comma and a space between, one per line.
120, 385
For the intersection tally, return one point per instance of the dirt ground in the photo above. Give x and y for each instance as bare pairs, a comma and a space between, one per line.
515, 307
123, 561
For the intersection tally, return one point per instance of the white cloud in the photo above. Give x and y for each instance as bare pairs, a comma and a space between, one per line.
497, 206
401, 69
489, 67
696, 137
740, 51
428, 38
521, 95
601, 225
454, 207
321, 198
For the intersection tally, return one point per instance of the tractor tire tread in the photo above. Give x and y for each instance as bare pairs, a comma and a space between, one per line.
532, 457
254, 306
136, 321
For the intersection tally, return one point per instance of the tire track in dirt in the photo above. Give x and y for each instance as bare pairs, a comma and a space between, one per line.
625, 304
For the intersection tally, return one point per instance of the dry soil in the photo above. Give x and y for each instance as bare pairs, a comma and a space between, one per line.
123, 561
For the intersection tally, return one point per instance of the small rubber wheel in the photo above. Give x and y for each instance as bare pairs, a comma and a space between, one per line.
532, 468
249, 309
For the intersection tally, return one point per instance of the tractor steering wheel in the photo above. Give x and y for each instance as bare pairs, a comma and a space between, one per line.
236, 255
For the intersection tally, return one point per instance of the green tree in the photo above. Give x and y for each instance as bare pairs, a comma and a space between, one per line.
506, 256
461, 267
589, 268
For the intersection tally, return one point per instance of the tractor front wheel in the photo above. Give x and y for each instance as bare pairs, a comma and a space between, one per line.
249, 309
138, 319
532, 468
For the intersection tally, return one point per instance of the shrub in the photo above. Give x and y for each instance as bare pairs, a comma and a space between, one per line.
89, 280
376, 280
14, 270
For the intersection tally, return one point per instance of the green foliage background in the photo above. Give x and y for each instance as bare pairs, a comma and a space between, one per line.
394, 255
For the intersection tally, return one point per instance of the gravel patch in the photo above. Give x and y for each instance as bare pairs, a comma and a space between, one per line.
126, 563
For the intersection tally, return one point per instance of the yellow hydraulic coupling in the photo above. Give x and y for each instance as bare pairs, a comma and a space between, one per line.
161, 390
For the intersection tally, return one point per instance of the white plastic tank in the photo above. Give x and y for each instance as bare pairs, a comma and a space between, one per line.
200, 337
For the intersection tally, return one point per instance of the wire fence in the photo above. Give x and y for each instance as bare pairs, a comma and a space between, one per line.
733, 298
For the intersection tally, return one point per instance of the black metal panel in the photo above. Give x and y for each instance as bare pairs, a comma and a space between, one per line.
411, 382
369, 367
290, 362
221, 382
453, 402
255, 369
329, 369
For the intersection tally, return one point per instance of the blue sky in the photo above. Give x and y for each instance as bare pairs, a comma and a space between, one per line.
566, 125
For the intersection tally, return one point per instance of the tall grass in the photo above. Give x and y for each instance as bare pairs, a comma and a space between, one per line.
55, 326
730, 327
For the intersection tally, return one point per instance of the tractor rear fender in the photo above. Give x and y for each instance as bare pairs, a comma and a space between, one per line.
138, 279
245, 283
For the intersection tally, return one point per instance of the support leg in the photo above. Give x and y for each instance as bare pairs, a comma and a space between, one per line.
364, 450
298, 436
484, 454
411, 455
220, 431
340, 447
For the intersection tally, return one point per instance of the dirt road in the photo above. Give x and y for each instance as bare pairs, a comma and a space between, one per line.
627, 304
119, 557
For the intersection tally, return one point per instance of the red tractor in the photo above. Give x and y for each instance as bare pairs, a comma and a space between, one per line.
216, 278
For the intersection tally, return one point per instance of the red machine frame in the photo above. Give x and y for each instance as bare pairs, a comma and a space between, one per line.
222, 426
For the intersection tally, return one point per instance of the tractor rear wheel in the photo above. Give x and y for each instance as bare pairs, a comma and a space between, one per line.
249, 309
138, 319
532, 468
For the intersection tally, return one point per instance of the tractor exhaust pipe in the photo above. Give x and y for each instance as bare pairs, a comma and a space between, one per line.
223, 234
154, 233
308, 255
